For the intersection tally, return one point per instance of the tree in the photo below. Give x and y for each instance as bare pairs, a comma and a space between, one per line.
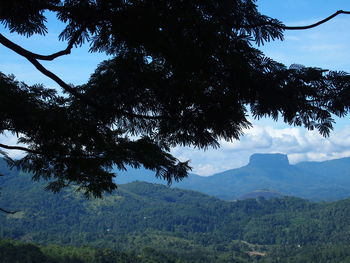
176, 65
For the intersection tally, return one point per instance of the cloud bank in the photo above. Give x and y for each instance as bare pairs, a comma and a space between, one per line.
299, 144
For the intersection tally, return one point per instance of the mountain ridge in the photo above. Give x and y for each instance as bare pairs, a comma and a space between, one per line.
141, 207
317, 181
174, 222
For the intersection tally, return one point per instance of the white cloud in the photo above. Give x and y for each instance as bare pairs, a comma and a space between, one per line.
205, 169
11, 140
299, 144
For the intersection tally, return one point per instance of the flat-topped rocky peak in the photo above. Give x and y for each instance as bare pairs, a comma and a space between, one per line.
266, 160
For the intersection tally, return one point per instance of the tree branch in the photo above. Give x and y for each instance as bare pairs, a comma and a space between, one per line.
317, 23
6, 42
29, 56
66, 51
8, 212
56, 8
20, 148
299, 27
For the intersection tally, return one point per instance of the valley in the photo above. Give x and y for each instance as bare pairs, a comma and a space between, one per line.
149, 222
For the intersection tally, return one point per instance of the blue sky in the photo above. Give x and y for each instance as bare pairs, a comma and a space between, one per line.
325, 46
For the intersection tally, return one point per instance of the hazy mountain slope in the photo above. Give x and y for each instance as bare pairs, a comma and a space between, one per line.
329, 180
132, 175
5, 170
267, 194
315, 181
269, 171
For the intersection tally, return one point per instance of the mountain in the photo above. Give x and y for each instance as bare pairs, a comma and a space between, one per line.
133, 175
262, 193
173, 222
317, 181
68, 217
5, 170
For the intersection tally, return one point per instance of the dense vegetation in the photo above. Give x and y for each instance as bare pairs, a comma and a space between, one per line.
14, 251
180, 224
11, 251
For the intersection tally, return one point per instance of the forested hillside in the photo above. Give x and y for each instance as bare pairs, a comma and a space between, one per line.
172, 221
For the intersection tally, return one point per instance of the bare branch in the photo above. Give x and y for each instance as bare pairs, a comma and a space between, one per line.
317, 23
6, 42
299, 27
28, 55
20, 148
8, 212
66, 51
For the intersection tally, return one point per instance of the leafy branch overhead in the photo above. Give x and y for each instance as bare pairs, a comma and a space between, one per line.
181, 73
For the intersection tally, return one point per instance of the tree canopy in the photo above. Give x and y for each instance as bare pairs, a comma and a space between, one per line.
181, 73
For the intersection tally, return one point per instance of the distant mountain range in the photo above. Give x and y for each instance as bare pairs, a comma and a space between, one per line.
178, 223
155, 213
317, 181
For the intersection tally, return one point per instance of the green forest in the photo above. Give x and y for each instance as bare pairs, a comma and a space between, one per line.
144, 222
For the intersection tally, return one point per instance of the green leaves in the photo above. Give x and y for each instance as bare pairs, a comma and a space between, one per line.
24, 17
